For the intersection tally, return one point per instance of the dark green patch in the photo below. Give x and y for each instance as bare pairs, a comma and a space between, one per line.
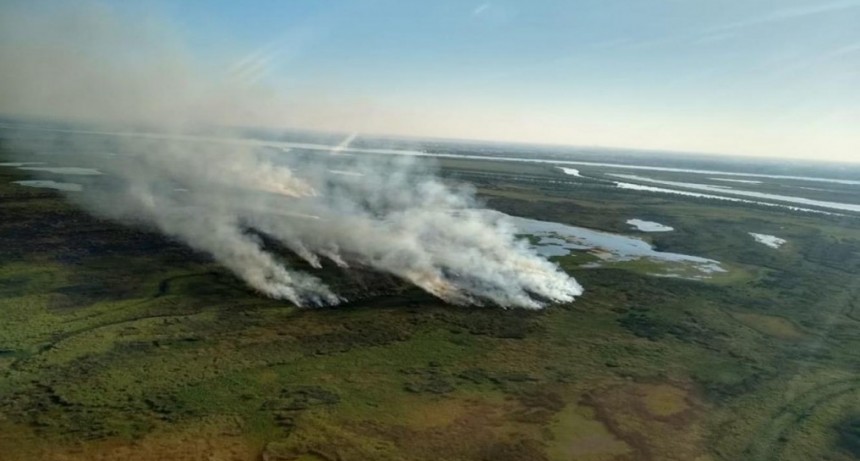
849, 435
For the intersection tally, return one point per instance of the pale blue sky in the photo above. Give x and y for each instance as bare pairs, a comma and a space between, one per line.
759, 77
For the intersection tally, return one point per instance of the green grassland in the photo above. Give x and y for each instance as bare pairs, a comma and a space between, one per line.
116, 343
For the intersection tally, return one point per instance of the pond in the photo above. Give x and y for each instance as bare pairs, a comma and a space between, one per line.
556, 239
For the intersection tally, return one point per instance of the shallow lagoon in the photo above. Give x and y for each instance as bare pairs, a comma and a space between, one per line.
73, 170
649, 226
47, 184
556, 239
663, 190
744, 193
768, 240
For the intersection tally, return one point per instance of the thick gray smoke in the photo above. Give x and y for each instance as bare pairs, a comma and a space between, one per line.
219, 194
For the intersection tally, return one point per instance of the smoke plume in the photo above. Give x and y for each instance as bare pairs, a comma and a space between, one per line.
223, 193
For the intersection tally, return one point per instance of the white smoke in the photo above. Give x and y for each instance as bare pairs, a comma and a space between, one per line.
224, 195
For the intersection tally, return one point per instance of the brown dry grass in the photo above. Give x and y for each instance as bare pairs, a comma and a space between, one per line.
210, 440
771, 325
659, 421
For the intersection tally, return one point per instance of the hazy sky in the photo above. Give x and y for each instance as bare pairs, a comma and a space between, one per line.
757, 77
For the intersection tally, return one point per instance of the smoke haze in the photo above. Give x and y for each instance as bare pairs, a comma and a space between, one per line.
224, 195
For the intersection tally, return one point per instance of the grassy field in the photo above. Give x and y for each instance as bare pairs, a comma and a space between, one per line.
116, 343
